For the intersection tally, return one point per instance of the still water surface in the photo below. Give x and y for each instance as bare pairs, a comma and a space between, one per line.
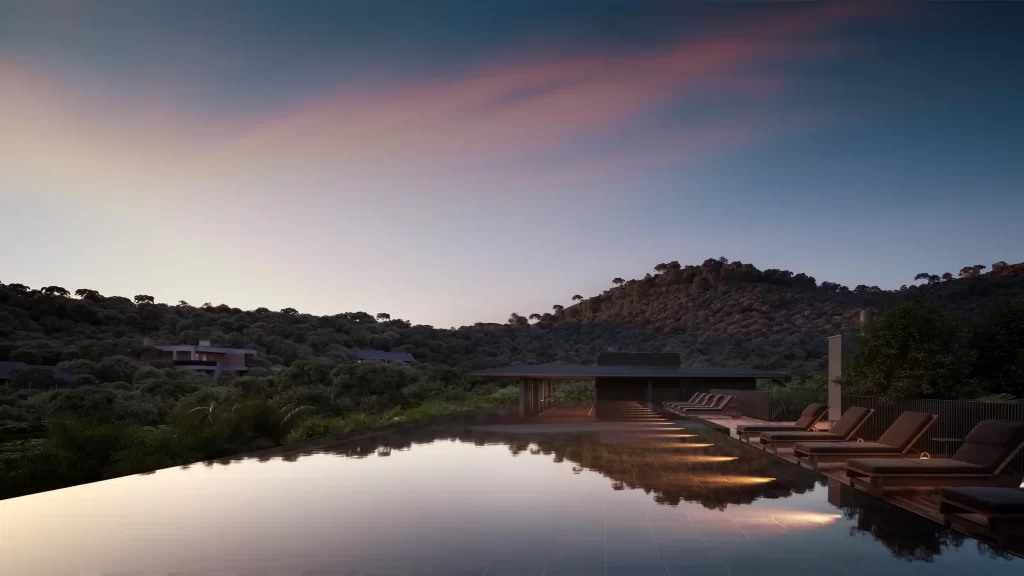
445, 499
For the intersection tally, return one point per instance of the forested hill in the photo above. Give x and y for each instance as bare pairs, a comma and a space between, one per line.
715, 313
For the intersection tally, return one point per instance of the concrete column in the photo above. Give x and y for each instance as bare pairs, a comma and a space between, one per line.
522, 397
835, 371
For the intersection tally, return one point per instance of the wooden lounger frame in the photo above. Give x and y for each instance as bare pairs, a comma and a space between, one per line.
744, 435
813, 460
877, 483
775, 445
953, 512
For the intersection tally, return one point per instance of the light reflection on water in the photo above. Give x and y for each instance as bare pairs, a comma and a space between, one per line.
444, 500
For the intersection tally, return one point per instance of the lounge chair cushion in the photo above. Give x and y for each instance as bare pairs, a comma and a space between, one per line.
850, 421
852, 448
906, 429
879, 466
769, 437
990, 443
990, 500
810, 415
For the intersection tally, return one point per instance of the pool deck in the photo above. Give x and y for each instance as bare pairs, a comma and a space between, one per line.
921, 501
626, 418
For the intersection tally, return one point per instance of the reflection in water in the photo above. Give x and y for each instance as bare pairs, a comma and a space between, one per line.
904, 533
441, 498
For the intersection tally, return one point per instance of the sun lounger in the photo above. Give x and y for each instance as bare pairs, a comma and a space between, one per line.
895, 442
705, 400
979, 462
718, 407
997, 509
844, 429
808, 418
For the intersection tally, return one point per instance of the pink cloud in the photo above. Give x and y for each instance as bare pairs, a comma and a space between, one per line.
499, 117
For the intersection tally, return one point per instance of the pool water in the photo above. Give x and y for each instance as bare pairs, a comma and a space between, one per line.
448, 499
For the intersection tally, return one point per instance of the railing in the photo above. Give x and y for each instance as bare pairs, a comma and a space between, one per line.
195, 363
956, 419
785, 405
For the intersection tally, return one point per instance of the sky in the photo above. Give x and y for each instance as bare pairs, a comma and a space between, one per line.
454, 162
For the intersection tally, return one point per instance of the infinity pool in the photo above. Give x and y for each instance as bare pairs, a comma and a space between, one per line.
447, 499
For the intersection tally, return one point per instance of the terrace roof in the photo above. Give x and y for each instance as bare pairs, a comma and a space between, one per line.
578, 372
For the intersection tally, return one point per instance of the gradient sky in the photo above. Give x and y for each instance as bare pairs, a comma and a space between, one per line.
454, 162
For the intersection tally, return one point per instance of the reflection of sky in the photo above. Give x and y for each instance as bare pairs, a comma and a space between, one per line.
444, 504
385, 156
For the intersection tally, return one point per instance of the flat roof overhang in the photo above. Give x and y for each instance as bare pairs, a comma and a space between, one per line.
571, 372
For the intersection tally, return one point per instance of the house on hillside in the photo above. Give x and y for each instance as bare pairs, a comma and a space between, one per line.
382, 356
205, 358
8, 371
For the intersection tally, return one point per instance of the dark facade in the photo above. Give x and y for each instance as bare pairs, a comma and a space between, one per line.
664, 389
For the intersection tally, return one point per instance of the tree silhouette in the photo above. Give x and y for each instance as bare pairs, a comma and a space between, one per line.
534, 316
87, 294
516, 320
660, 268
183, 304
54, 291
289, 311
558, 307
947, 276
922, 276
383, 316
144, 299
618, 281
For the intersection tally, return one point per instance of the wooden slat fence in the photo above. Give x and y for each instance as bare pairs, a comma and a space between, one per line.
956, 419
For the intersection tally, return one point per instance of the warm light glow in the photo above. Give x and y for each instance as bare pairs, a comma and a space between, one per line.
705, 459
813, 517
679, 445
644, 436
732, 480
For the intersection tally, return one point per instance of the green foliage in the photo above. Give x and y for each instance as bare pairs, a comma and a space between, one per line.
918, 350
35, 379
913, 350
575, 391
998, 340
25, 355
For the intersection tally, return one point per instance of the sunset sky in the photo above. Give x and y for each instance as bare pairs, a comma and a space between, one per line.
453, 162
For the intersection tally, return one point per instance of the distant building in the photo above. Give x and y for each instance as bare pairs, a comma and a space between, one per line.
383, 357
8, 370
202, 357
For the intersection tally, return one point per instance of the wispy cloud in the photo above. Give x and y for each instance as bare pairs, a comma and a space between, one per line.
534, 119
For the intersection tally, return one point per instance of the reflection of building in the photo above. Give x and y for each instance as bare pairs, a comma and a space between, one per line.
211, 360
631, 376
383, 357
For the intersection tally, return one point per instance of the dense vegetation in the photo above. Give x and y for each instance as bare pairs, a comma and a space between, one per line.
129, 416
916, 350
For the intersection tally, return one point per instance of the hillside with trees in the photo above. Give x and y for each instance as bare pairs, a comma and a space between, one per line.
954, 337
714, 313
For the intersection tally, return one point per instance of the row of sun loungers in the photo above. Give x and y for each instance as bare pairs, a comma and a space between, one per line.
976, 488
701, 403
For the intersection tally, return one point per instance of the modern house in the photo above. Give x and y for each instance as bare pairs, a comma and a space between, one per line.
205, 358
644, 377
382, 356
8, 370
